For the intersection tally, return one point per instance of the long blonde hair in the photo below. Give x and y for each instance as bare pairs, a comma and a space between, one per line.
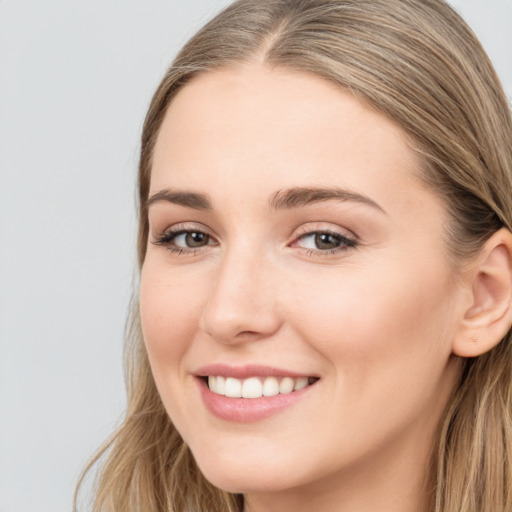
417, 62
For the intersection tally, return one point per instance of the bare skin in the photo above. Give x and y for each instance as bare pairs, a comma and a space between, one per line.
356, 291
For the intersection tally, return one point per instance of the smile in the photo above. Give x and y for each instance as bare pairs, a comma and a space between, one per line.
257, 387
224, 390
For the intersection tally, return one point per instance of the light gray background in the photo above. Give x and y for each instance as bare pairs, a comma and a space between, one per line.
75, 79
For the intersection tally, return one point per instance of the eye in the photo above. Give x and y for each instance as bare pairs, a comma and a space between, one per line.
324, 242
181, 239
190, 239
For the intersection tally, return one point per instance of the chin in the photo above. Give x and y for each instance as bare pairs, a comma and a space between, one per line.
246, 474
253, 481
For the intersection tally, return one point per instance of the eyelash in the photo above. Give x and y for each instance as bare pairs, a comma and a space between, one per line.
167, 238
345, 242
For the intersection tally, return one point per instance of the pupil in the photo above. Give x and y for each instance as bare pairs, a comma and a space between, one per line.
196, 239
326, 241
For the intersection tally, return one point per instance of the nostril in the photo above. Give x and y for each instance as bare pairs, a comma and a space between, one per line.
247, 334
236, 311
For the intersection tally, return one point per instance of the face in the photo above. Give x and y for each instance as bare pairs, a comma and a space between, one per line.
294, 258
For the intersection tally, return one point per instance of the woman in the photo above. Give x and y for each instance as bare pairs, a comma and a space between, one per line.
325, 252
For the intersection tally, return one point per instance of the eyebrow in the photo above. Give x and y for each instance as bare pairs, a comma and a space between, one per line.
281, 200
183, 198
302, 196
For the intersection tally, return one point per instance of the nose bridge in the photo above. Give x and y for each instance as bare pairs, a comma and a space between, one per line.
241, 304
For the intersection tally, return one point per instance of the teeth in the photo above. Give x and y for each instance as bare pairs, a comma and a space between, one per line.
233, 388
286, 386
252, 388
270, 386
300, 383
221, 385
256, 387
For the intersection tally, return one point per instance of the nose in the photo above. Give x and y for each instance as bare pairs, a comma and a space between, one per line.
242, 303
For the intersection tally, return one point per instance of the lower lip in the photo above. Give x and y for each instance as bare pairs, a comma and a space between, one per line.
248, 410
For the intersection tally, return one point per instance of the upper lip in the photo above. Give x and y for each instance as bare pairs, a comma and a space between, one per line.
246, 371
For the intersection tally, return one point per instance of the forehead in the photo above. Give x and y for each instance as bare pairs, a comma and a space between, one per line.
254, 129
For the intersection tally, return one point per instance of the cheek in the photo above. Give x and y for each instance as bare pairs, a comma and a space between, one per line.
169, 314
170, 307
386, 340
382, 327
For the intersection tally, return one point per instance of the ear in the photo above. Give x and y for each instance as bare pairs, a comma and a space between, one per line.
488, 315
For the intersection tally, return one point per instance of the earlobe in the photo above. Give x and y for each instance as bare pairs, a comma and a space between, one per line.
489, 315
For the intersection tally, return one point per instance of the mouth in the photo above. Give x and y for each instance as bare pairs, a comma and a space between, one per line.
250, 393
256, 386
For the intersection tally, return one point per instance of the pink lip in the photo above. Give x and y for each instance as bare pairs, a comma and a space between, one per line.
246, 410
246, 371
